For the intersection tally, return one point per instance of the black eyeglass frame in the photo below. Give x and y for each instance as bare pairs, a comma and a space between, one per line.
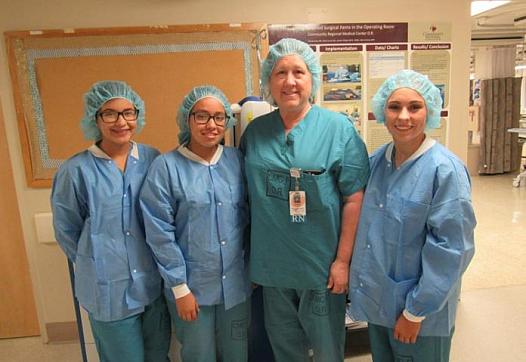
136, 115
210, 116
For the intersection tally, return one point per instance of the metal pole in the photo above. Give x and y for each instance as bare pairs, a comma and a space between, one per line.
77, 313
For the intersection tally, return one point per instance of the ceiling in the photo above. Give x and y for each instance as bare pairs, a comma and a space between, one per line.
501, 24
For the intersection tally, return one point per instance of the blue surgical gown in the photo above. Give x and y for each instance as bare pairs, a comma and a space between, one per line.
98, 224
414, 239
195, 216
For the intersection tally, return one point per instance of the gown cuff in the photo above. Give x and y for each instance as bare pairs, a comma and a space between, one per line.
412, 318
180, 290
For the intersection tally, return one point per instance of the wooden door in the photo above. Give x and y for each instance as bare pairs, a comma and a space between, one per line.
18, 316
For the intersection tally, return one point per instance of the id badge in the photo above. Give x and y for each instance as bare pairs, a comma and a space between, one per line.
297, 203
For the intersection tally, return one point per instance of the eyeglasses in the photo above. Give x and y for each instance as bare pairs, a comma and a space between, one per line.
202, 117
111, 116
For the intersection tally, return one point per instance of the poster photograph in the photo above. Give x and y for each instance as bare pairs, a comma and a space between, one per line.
342, 73
339, 92
353, 110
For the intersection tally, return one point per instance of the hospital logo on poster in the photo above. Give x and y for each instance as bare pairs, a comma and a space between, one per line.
433, 33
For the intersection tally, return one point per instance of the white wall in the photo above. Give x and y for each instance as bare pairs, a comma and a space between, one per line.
48, 268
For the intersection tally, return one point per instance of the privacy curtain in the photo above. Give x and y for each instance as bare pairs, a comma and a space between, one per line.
495, 62
499, 111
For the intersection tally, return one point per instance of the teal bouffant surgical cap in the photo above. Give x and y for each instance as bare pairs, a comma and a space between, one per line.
419, 83
100, 93
189, 101
283, 48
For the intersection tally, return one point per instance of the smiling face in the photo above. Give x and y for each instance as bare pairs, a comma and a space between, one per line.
119, 133
405, 117
291, 84
204, 138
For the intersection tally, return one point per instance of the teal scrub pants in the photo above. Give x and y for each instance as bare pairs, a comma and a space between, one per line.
216, 335
144, 337
301, 319
385, 348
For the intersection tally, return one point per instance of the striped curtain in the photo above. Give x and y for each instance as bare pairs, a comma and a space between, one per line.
499, 110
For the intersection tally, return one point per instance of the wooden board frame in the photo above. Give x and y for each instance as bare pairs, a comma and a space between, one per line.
51, 69
17, 303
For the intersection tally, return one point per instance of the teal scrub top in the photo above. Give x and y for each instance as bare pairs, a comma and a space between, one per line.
98, 224
414, 240
334, 164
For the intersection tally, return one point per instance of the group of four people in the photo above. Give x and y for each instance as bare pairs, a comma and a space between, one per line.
134, 222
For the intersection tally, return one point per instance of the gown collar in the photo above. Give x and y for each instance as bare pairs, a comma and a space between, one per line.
98, 152
185, 151
426, 145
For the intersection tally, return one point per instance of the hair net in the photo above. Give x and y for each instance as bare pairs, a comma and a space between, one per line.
100, 93
189, 101
284, 47
413, 80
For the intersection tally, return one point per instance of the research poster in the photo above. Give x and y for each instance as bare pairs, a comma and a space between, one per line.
357, 57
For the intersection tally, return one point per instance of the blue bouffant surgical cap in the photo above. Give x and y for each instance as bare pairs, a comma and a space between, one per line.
100, 93
189, 101
281, 49
419, 83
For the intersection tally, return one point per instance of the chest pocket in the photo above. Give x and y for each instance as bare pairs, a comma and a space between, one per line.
238, 209
277, 184
197, 201
198, 197
239, 197
321, 191
107, 213
237, 193
413, 221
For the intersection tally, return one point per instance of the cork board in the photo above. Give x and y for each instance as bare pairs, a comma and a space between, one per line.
51, 70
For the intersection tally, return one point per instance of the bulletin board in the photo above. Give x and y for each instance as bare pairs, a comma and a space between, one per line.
52, 69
